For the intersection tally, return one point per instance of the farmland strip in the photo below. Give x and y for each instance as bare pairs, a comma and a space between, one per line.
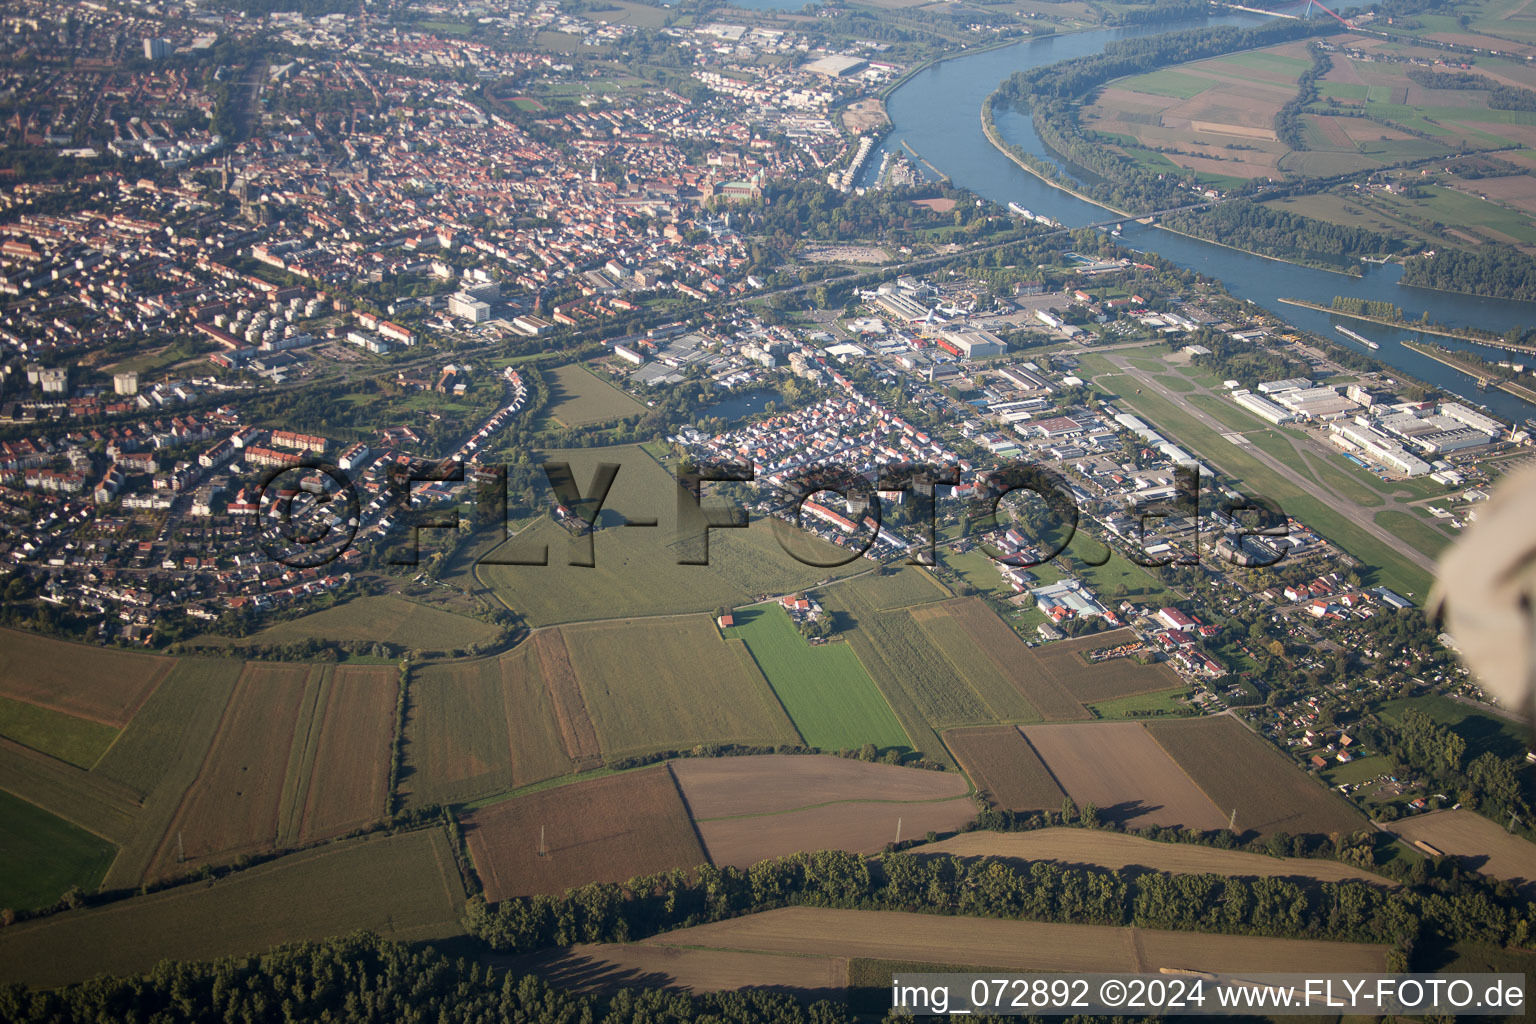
95, 804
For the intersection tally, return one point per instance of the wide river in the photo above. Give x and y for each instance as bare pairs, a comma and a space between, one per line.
938, 113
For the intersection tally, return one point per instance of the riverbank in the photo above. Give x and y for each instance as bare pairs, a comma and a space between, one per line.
1484, 375
1471, 334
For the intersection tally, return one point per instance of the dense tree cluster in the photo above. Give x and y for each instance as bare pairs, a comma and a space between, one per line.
1487, 270
362, 978
1281, 233
1038, 891
1500, 96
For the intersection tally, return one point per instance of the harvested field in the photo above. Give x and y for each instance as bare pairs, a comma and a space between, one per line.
1118, 852
1237, 769
478, 727
404, 887
95, 683
576, 731
1119, 768
605, 968
1005, 768
1107, 680
1017, 945
670, 685
718, 787
985, 652
1478, 843
608, 829
348, 779
233, 807
862, 827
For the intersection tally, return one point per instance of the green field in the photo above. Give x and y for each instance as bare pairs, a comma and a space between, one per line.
42, 856
1168, 83
579, 399
78, 741
404, 887
1107, 579
903, 588
825, 690
1358, 770
636, 570
1484, 731
388, 619
671, 685
1142, 705
1427, 538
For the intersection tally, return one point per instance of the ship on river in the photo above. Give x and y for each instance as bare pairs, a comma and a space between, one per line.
1367, 342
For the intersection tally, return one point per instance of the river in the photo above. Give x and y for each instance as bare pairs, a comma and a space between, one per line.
938, 113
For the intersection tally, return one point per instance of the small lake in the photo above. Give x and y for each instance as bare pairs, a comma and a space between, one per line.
743, 404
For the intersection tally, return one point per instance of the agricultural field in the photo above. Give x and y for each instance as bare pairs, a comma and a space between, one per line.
1120, 769
608, 829
389, 619
986, 653
485, 726
404, 887
233, 806
78, 741
635, 570
1007, 772
1120, 852
749, 809
343, 781
42, 856
577, 398
1480, 844
642, 685
99, 684
604, 968
886, 590
1239, 770
1016, 945
829, 697
1065, 661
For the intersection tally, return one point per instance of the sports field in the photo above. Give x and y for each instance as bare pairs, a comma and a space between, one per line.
642, 683
829, 697
577, 398
608, 829
404, 887
1239, 770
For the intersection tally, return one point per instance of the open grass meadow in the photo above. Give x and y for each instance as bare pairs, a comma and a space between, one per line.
42, 856
389, 619
1239, 770
636, 568
829, 697
672, 684
404, 887
79, 741
577, 398
902, 587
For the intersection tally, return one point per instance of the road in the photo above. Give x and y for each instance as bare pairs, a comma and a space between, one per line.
1364, 518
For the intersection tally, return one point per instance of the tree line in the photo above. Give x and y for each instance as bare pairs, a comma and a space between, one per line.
1037, 891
